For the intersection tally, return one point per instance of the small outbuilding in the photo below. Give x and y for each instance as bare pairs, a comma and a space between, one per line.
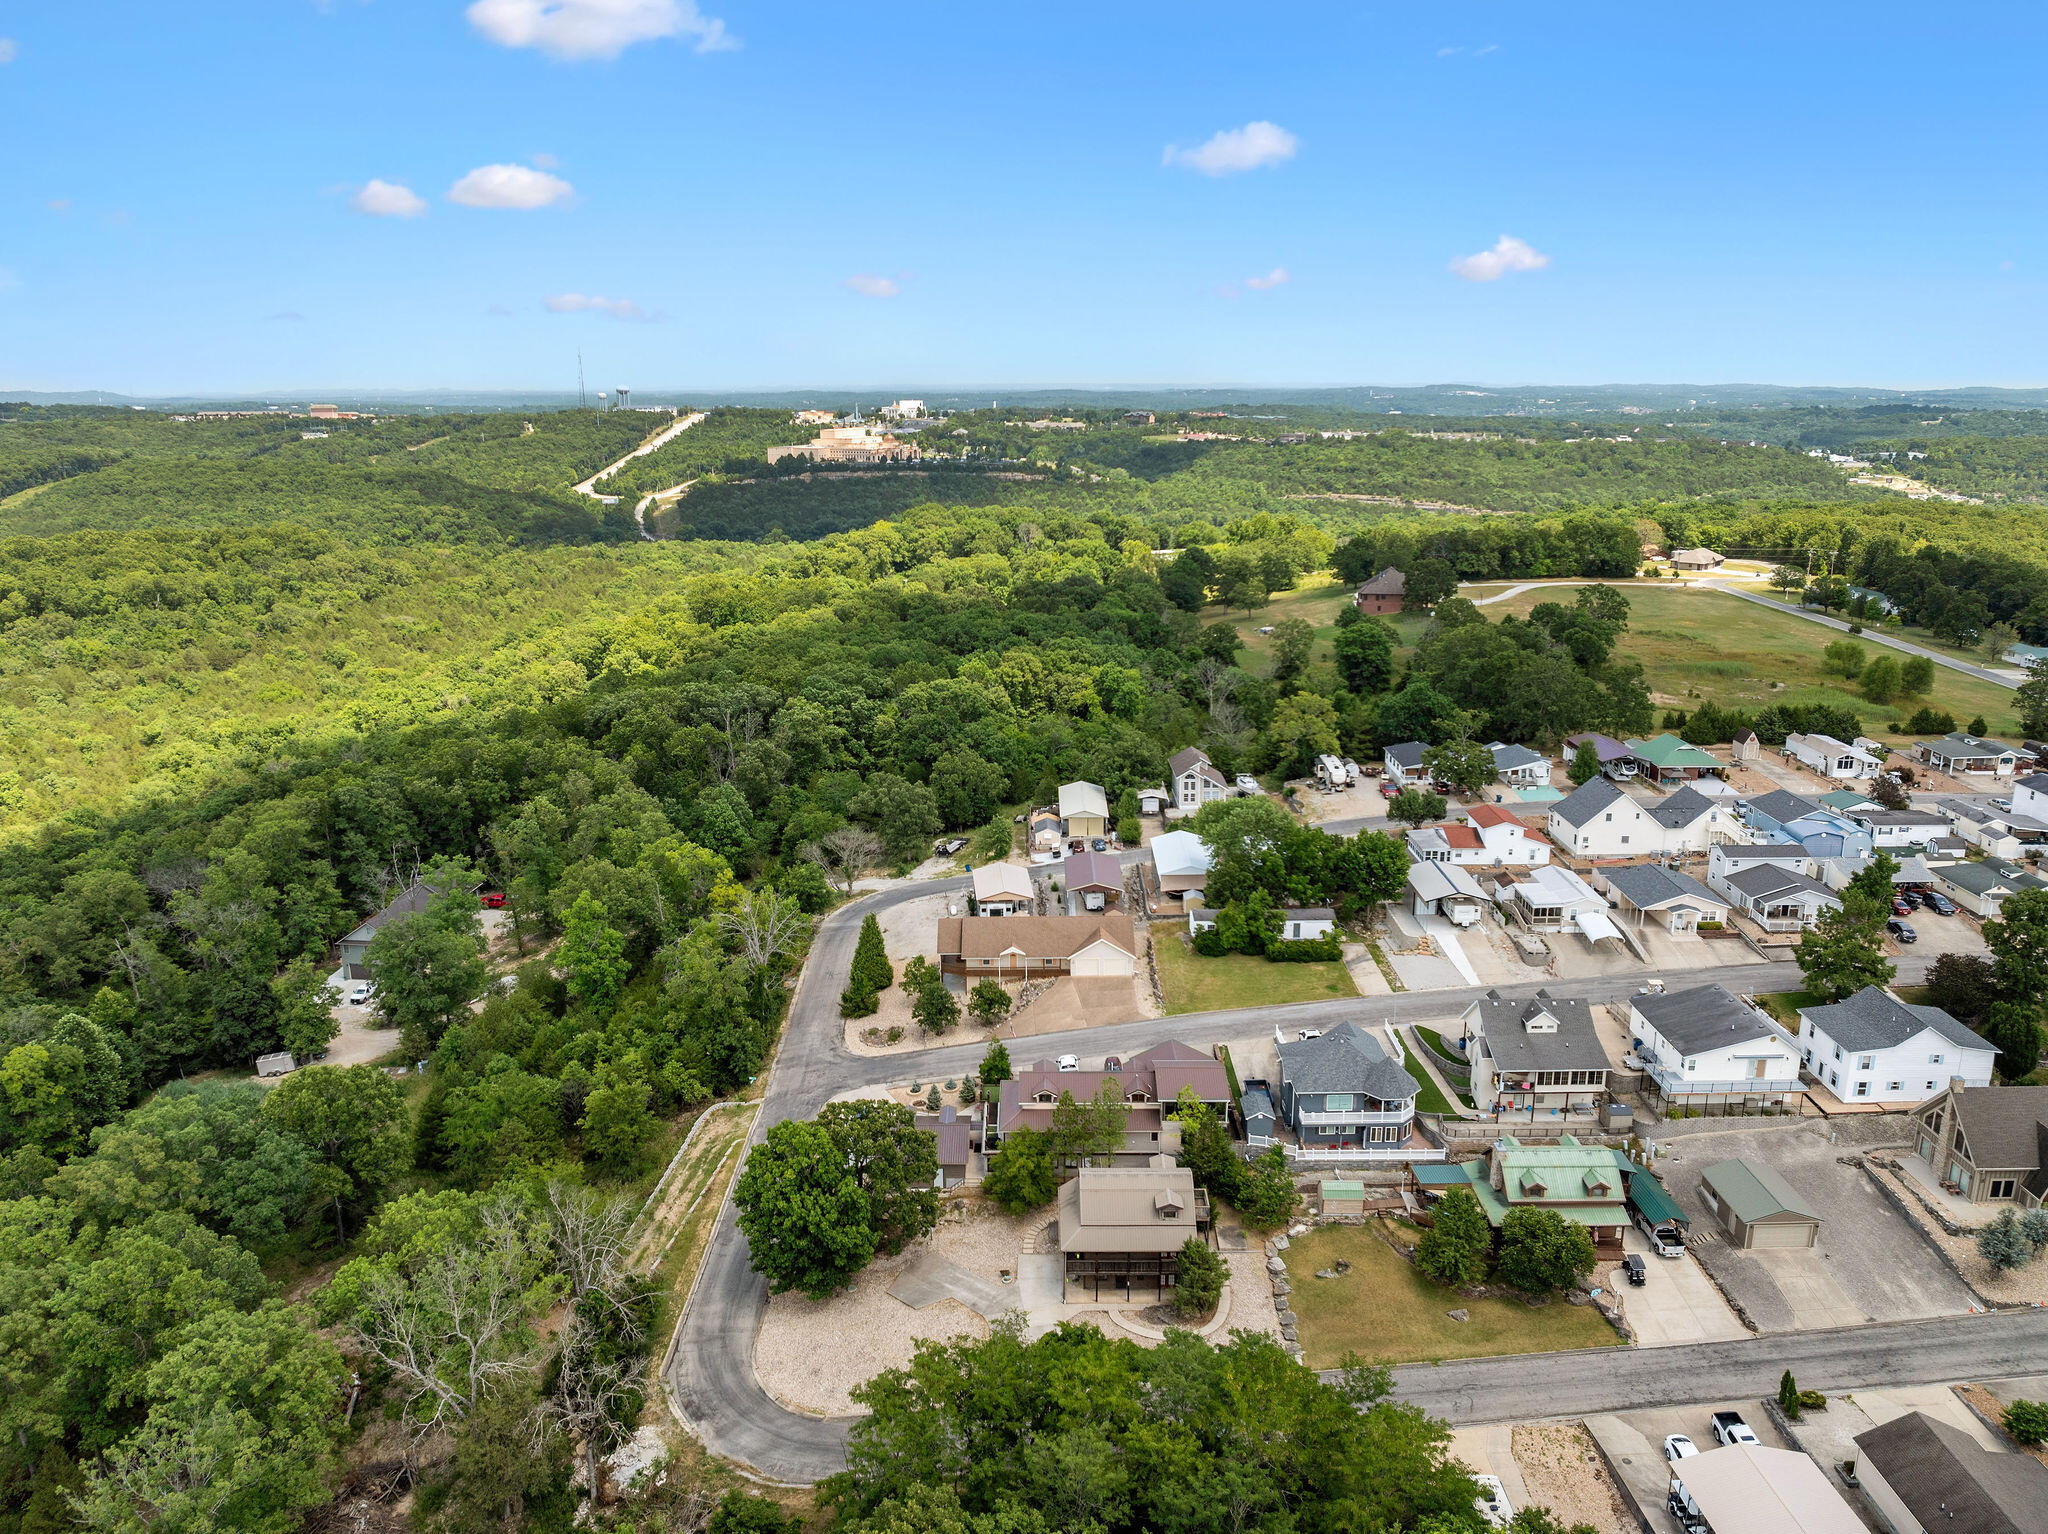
1757, 1208
1343, 1196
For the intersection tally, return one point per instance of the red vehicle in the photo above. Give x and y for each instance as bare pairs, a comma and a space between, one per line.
1900, 908
494, 900
1387, 790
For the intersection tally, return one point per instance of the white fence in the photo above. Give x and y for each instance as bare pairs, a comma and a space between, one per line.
1371, 1153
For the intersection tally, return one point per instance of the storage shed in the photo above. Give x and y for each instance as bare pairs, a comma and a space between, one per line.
1343, 1196
1757, 1208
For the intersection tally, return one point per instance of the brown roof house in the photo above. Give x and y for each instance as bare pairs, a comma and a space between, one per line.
1989, 1144
1383, 595
1037, 947
1923, 1474
1122, 1228
956, 1144
1149, 1084
1094, 882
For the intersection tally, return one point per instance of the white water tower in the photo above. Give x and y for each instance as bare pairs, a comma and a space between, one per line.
620, 395
600, 402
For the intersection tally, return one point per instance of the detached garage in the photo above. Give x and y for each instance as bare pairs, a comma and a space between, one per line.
1758, 1208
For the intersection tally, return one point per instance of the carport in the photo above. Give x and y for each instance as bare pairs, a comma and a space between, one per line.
1757, 1208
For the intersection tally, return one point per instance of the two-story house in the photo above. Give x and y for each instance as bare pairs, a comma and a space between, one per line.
1988, 1144
1875, 1048
1084, 813
1702, 1047
1598, 820
2030, 796
1585, 1185
1489, 837
1519, 767
1194, 780
1344, 1090
1404, 764
1688, 821
1538, 1055
1783, 816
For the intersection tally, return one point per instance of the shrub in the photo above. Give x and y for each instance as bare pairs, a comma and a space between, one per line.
1201, 1278
856, 1002
1812, 1400
1128, 831
2004, 1244
1788, 1395
2027, 1421
1305, 950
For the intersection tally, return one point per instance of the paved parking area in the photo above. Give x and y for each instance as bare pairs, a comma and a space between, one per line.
1677, 1303
1870, 1265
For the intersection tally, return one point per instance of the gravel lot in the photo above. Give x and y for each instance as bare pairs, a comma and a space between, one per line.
2023, 1286
1867, 1248
1564, 1472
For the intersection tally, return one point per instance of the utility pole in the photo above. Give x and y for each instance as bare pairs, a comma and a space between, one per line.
580, 401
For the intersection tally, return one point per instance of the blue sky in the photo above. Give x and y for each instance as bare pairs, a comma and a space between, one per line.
753, 195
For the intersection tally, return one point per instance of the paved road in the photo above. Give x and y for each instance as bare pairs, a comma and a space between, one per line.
1523, 1389
710, 1372
1982, 673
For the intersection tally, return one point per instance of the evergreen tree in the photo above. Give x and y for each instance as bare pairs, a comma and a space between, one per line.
995, 1065
1199, 1280
1266, 1195
1788, 1395
1585, 765
871, 970
2004, 1244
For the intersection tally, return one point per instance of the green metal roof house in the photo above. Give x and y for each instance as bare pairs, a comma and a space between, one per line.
1667, 759
1585, 1184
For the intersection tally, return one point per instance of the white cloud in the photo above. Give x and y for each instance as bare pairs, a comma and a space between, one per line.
388, 199
509, 186
8, 51
1508, 255
596, 29
1273, 279
1236, 149
868, 285
1445, 53
591, 303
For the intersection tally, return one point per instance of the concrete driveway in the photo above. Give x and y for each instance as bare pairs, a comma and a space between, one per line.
1871, 1263
1677, 1304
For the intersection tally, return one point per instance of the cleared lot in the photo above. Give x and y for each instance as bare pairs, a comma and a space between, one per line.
1870, 1264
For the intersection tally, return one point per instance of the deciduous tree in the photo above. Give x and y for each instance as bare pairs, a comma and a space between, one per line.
802, 1211
1458, 1242
1541, 1252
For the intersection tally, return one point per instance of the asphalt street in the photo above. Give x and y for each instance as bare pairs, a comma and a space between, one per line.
710, 1371
1875, 636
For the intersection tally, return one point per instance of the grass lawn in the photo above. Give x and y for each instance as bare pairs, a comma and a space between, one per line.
1196, 984
1431, 1098
1785, 1005
1316, 601
1700, 646
1430, 1037
1386, 1312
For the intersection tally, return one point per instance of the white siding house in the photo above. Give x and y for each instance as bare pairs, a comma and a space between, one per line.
1600, 821
1831, 758
1703, 1047
1875, 1048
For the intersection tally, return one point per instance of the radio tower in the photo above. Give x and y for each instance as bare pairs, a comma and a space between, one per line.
580, 402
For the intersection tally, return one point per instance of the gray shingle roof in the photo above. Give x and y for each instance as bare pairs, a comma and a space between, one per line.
1961, 747
1346, 1059
1681, 809
2037, 781
1763, 881
2004, 1126
1407, 754
1701, 1019
1875, 1019
1579, 806
1648, 886
1507, 756
1977, 878
1783, 806
1574, 1046
1949, 1480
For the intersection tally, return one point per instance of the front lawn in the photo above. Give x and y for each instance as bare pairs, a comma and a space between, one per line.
1386, 1312
1195, 984
1784, 1007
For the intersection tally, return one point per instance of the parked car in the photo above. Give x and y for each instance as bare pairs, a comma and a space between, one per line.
1902, 930
1911, 899
950, 845
1267, 629
1492, 1501
1678, 1447
1943, 906
1387, 790
1309, 1033
1635, 1269
1666, 1240
1247, 784
1069, 1062
359, 994
494, 900
1899, 906
1730, 1429
1099, 845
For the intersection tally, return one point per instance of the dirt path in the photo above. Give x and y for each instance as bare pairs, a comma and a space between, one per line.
705, 1158
667, 434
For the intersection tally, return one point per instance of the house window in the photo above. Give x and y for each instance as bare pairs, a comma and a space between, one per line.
2000, 1187
1624, 841
1862, 1089
1838, 1051
1336, 1102
1934, 1059
1895, 1086
1865, 1062
1930, 1086
1834, 1078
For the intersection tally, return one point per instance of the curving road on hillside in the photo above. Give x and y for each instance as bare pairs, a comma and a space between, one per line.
2003, 679
710, 1372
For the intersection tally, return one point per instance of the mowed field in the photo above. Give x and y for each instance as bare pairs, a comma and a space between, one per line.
1705, 646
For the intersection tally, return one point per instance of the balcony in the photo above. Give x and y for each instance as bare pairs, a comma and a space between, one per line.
1357, 1116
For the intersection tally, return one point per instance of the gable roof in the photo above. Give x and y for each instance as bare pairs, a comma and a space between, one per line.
1667, 750
1755, 1191
1960, 747
1407, 754
1648, 888
1783, 806
2037, 781
1082, 799
1703, 1018
1676, 811
1084, 870
1941, 1473
1435, 881
1578, 807
1035, 937
2003, 1125
1575, 1044
1508, 756
1978, 878
1757, 852
1388, 583
994, 880
1178, 853
1193, 759
1875, 1019
1494, 815
411, 903
1765, 881
1606, 747
1128, 1209
1346, 1059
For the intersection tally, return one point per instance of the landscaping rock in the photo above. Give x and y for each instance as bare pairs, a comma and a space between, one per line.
1275, 1265
1281, 1286
1297, 1230
1288, 1333
1343, 1265
1326, 1272
1460, 1314
1279, 1243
